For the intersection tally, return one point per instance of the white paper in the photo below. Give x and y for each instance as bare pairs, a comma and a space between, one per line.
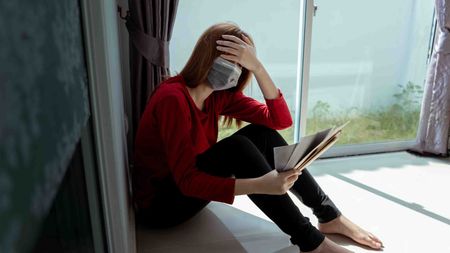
287, 157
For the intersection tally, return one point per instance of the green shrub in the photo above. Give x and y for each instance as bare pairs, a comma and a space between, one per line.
398, 121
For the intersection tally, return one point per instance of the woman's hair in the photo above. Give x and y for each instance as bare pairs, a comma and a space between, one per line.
197, 67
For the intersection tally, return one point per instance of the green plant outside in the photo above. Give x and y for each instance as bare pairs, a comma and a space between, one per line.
395, 122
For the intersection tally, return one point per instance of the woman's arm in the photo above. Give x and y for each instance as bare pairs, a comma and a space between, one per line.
180, 152
268, 88
275, 113
242, 52
246, 186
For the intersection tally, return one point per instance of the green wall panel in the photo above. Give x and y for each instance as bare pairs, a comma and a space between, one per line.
43, 107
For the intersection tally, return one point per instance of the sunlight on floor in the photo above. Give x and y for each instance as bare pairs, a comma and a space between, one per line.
400, 197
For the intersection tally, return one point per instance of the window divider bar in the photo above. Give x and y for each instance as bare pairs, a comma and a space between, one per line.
303, 67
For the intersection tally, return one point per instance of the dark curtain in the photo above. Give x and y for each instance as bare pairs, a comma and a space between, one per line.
150, 24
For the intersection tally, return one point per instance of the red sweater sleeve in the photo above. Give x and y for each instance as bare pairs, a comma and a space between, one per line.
172, 113
274, 114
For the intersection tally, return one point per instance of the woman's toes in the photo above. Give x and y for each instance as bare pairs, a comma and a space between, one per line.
369, 241
374, 244
378, 243
375, 238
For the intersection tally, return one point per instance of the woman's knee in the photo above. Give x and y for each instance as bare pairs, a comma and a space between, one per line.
251, 160
239, 144
257, 133
228, 152
255, 128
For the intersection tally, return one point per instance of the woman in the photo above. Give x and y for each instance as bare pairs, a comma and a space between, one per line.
179, 167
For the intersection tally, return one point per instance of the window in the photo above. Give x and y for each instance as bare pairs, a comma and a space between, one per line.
361, 61
273, 25
368, 65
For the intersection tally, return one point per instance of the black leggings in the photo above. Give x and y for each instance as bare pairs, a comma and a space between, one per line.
248, 153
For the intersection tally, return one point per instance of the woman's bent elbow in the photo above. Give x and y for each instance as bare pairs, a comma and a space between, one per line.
283, 125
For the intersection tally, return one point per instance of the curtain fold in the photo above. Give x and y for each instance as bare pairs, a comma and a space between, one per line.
150, 24
433, 132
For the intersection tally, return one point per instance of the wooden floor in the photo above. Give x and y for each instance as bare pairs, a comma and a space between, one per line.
402, 198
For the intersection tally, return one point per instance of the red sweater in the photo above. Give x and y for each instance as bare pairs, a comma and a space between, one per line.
173, 131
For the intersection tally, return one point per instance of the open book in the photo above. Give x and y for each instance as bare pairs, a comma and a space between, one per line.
308, 149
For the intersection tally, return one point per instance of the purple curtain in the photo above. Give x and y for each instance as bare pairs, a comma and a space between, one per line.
149, 24
433, 133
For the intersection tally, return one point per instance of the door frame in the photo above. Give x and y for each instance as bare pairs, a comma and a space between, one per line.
106, 100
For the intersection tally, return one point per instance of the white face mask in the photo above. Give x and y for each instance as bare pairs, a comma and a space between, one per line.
223, 74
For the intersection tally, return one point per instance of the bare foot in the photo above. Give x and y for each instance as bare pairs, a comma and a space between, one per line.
328, 246
342, 225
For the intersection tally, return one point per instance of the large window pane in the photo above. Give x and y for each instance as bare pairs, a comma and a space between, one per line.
274, 26
368, 64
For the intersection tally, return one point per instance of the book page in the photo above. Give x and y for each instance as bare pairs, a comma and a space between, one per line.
306, 163
306, 150
305, 146
281, 156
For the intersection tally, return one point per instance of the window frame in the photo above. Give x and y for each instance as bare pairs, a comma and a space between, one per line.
307, 13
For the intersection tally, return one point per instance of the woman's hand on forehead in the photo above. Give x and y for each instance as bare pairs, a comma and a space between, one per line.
239, 51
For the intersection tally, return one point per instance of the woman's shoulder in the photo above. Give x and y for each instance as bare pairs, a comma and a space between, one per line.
171, 90
177, 79
173, 86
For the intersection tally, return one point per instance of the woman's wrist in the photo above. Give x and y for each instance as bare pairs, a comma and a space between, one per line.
257, 185
258, 68
268, 88
247, 186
